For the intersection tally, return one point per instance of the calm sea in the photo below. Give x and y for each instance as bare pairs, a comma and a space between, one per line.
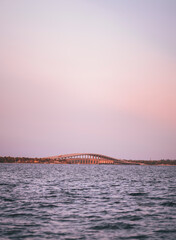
40, 201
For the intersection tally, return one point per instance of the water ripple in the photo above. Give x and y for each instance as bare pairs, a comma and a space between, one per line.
87, 202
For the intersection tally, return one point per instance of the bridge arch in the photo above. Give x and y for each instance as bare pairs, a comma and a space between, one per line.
85, 158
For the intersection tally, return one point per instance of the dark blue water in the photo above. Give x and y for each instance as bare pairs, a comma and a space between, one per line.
40, 201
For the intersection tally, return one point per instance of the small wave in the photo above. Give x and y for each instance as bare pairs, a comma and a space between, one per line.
14, 215
166, 231
135, 218
138, 194
113, 226
169, 204
7, 199
129, 218
137, 237
4, 184
47, 206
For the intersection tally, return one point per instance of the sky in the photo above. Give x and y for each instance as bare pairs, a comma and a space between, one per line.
95, 76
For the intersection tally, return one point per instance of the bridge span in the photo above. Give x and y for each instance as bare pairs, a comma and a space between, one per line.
84, 158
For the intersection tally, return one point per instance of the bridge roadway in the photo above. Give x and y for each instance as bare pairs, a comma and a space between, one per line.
85, 158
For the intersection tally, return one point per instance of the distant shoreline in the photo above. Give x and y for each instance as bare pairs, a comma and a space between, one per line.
121, 162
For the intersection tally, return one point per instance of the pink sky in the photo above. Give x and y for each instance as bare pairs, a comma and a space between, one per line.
88, 76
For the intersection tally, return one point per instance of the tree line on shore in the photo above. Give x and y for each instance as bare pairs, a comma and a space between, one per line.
24, 160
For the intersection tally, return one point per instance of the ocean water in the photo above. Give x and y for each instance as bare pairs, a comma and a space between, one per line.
40, 201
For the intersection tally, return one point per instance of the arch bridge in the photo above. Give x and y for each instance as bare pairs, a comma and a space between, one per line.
85, 158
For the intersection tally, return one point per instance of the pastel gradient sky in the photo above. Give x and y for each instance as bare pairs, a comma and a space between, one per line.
94, 76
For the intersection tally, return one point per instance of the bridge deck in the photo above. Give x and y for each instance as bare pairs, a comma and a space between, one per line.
85, 158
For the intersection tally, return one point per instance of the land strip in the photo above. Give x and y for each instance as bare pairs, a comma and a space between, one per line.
163, 162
